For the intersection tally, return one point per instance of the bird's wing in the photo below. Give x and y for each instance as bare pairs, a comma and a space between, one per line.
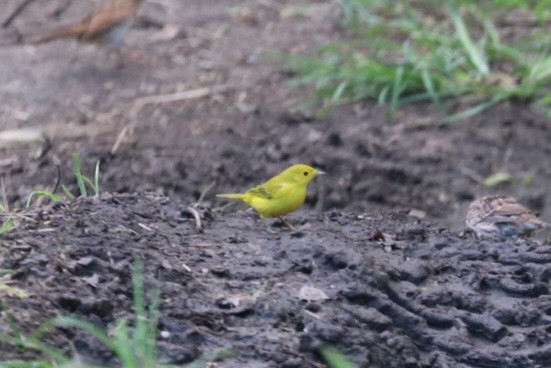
510, 208
260, 191
273, 191
507, 210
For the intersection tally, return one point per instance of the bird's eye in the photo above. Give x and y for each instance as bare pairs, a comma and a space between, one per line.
305, 173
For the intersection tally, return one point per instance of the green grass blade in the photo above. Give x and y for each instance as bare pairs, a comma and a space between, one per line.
497, 178
139, 302
338, 92
418, 51
96, 179
396, 90
78, 175
68, 193
475, 55
152, 327
142, 329
470, 112
126, 348
90, 183
429, 86
12, 291
7, 226
42, 193
23, 343
335, 359
96, 332
381, 99
134, 347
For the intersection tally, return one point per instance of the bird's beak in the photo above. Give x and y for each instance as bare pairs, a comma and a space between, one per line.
319, 172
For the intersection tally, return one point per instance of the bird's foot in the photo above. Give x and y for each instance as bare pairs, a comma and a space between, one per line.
288, 225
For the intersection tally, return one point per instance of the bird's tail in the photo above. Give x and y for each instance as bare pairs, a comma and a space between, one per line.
231, 195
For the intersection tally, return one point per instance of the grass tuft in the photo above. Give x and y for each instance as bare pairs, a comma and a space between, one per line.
82, 183
135, 346
407, 52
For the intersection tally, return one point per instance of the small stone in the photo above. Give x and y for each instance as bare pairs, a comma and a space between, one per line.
310, 293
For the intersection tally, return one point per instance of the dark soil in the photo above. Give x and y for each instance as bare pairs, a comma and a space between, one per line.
421, 297
427, 296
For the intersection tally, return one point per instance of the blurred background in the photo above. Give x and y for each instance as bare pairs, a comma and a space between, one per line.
409, 105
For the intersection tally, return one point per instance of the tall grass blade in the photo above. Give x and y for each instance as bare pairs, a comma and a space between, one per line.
429, 86
475, 55
78, 175
68, 193
469, 112
99, 334
96, 179
396, 90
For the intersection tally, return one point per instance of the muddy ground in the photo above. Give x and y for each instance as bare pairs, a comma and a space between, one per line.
422, 297
430, 297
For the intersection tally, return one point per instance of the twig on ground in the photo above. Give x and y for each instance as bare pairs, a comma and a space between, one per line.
200, 245
223, 208
120, 138
197, 217
137, 105
180, 96
145, 227
19, 216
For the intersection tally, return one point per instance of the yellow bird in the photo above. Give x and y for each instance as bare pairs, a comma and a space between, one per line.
282, 194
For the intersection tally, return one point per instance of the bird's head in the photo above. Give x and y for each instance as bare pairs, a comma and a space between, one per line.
301, 173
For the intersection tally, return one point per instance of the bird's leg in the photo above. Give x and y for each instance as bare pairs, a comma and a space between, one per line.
288, 225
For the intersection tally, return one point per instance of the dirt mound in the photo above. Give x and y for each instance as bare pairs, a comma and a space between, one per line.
387, 290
